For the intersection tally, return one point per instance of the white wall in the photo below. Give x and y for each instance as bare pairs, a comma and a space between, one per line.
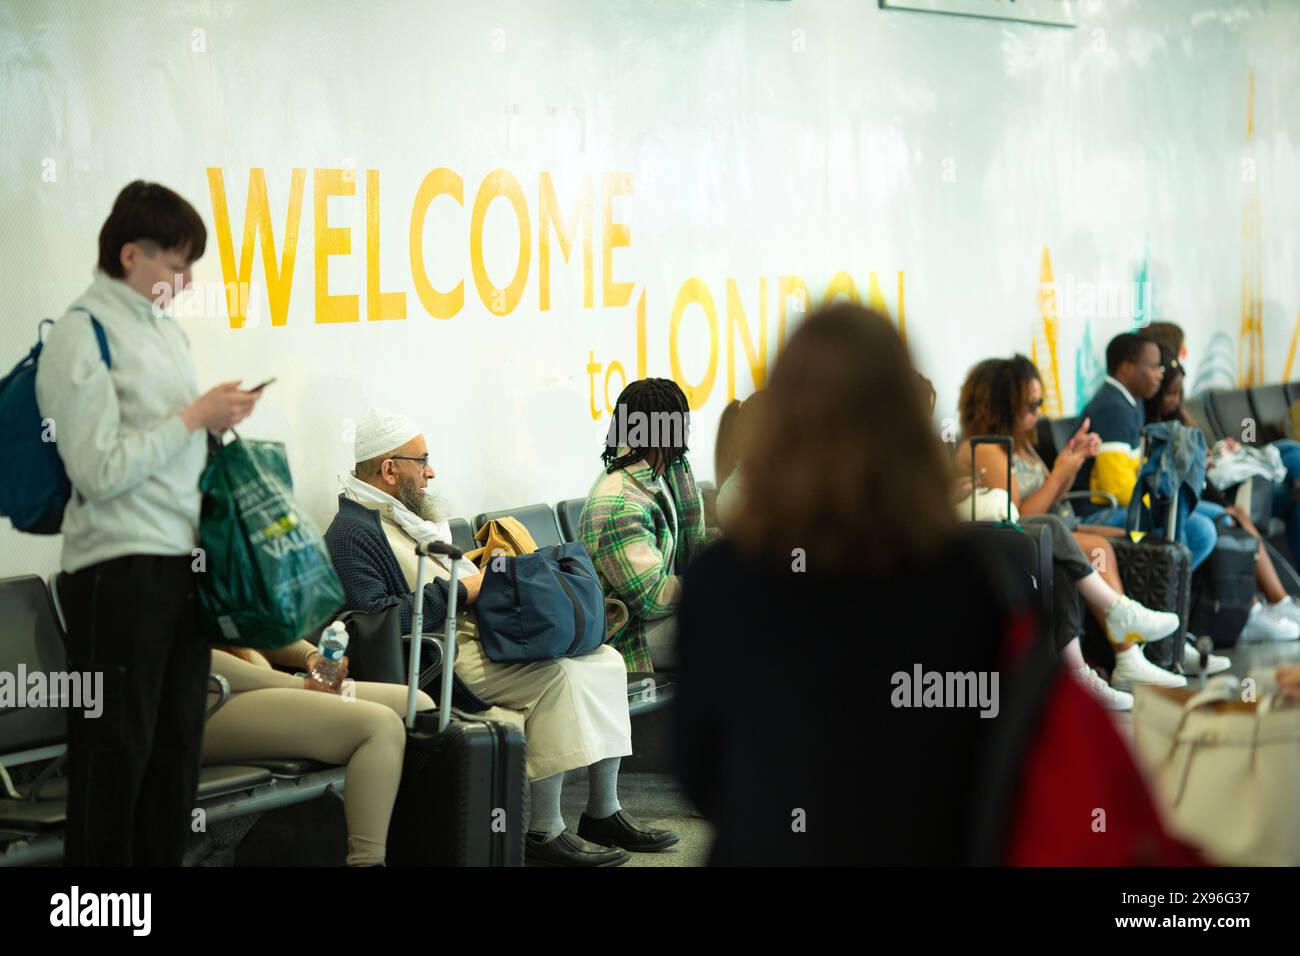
761, 138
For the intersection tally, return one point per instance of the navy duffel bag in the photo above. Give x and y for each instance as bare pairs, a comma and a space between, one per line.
540, 606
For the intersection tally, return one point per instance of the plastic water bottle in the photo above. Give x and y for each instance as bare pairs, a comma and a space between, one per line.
333, 643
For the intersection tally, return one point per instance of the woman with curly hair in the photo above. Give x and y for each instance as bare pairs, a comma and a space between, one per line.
1003, 397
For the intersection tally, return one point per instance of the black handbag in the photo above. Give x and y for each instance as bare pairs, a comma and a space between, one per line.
377, 651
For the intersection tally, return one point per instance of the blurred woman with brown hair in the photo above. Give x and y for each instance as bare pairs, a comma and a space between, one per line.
801, 730
844, 569
733, 429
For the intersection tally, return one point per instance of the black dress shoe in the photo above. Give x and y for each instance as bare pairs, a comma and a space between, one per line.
625, 831
569, 849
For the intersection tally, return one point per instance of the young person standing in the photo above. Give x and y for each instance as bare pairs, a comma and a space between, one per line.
132, 438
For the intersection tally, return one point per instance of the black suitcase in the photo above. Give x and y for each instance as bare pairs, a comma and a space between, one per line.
1028, 552
463, 795
1156, 572
1225, 587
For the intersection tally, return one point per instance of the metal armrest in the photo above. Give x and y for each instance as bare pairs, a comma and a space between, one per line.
1073, 495
222, 688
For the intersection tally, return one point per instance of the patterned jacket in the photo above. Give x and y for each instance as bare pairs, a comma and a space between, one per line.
627, 527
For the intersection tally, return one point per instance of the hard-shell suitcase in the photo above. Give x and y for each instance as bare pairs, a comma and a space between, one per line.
1157, 572
1225, 587
462, 800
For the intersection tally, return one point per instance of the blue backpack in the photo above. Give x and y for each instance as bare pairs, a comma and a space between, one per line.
34, 487
540, 606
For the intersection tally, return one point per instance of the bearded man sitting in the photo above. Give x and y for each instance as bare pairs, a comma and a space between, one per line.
573, 710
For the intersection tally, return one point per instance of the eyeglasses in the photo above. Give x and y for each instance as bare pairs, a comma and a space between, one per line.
423, 459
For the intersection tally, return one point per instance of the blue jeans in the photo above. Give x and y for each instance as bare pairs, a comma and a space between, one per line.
1197, 532
1284, 505
1202, 536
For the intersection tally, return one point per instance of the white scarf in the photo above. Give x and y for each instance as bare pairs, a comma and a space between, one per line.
420, 530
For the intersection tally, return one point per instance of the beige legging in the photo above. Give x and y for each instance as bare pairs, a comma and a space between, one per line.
366, 734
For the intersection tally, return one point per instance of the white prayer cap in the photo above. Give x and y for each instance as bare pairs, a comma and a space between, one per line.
379, 432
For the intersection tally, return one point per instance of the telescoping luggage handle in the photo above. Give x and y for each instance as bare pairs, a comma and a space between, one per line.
1006, 444
423, 551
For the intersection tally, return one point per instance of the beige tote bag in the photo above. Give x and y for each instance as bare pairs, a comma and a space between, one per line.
1225, 772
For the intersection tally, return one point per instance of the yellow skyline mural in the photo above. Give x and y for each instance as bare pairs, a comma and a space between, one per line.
1043, 350
1250, 344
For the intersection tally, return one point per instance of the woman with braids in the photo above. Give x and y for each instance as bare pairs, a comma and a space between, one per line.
1003, 397
644, 520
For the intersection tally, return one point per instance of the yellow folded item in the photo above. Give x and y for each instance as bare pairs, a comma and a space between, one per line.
1115, 470
505, 536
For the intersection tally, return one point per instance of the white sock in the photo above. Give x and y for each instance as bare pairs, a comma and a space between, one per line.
1096, 592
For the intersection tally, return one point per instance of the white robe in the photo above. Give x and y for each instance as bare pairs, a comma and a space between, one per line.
573, 710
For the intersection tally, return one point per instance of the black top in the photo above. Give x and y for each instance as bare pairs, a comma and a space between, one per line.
787, 703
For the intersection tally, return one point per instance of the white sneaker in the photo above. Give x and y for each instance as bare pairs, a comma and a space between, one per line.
1107, 696
1127, 620
1215, 663
1287, 608
1266, 624
1132, 667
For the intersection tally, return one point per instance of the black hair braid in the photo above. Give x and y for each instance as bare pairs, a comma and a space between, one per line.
644, 398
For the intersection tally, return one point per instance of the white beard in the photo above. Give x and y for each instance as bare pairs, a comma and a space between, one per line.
434, 507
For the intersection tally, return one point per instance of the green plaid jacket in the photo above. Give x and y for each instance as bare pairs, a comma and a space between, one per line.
627, 526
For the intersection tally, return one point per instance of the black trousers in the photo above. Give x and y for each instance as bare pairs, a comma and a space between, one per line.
1069, 566
134, 769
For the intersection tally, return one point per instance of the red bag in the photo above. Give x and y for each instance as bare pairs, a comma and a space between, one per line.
1060, 786
1082, 800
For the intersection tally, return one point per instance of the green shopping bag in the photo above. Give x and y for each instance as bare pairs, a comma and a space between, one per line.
268, 578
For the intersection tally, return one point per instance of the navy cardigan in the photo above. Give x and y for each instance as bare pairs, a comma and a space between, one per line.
371, 576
